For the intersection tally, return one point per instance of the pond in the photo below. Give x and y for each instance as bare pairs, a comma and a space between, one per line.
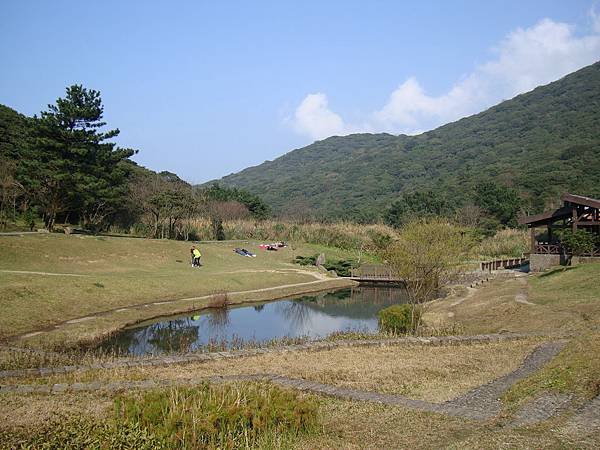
311, 317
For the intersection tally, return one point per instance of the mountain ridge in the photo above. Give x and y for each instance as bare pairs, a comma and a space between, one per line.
541, 142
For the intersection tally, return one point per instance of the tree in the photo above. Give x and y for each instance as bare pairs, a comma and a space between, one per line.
426, 255
258, 209
500, 202
71, 166
165, 203
577, 243
417, 205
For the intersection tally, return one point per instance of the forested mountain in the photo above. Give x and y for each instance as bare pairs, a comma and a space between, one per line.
540, 143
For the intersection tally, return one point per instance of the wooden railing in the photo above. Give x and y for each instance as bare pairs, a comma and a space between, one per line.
374, 272
548, 249
502, 263
557, 249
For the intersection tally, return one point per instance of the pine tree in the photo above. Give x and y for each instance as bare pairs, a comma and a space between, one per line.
72, 167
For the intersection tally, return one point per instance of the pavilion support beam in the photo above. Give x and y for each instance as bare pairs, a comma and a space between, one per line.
532, 237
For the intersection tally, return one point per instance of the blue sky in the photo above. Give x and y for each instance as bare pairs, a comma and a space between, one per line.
204, 89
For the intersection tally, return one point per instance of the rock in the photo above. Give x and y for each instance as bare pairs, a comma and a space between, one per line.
320, 260
42, 230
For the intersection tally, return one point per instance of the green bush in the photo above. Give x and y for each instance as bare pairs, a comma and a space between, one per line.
398, 319
343, 267
577, 242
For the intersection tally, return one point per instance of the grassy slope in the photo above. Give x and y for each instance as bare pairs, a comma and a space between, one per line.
567, 300
119, 272
564, 299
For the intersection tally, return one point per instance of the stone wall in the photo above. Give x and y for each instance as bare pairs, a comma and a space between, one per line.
539, 262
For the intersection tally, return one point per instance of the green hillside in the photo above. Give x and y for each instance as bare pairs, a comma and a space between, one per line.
541, 143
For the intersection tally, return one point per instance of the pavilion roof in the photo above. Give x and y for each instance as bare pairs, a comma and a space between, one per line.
570, 201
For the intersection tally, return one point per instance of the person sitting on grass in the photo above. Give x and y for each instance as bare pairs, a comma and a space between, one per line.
195, 256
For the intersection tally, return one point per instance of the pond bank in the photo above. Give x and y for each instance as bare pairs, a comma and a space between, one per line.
90, 330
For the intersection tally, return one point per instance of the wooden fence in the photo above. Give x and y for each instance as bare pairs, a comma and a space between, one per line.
503, 263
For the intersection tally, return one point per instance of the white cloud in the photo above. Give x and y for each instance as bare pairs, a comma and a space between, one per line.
526, 58
314, 118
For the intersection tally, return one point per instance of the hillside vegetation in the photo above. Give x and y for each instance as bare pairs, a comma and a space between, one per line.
542, 143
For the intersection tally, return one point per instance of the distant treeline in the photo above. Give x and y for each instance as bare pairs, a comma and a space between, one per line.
61, 168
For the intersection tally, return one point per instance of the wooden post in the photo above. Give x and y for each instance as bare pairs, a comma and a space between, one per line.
532, 235
574, 220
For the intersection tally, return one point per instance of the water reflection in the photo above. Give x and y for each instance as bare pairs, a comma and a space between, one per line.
312, 316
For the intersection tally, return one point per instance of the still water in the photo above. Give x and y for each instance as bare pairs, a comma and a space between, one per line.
309, 316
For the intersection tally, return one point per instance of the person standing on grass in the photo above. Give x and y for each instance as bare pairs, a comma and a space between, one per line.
195, 256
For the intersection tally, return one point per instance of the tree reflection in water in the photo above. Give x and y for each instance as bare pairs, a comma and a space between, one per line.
218, 319
177, 335
296, 313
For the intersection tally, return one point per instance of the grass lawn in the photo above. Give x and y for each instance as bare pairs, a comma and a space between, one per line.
81, 275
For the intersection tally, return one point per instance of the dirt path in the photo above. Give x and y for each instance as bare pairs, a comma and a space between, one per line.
53, 274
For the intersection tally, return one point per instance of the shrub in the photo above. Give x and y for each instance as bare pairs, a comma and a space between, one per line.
343, 267
219, 300
398, 319
577, 242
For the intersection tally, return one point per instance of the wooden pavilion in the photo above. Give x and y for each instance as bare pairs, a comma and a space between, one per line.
577, 212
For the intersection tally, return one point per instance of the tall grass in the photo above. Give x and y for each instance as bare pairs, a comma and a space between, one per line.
345, 235
231, 416
234, 416
509, 243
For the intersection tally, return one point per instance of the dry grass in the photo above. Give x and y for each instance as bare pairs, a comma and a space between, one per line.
507, 243
345, 425
344, 235
354, 425
429, 373
23, 411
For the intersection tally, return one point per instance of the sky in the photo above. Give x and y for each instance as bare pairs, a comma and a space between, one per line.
205, 89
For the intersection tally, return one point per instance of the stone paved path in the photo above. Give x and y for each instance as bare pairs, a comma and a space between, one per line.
481, 403
541, 408
586, 420
309, 346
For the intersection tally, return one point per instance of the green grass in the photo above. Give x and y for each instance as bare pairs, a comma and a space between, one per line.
122, 272
573, 286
